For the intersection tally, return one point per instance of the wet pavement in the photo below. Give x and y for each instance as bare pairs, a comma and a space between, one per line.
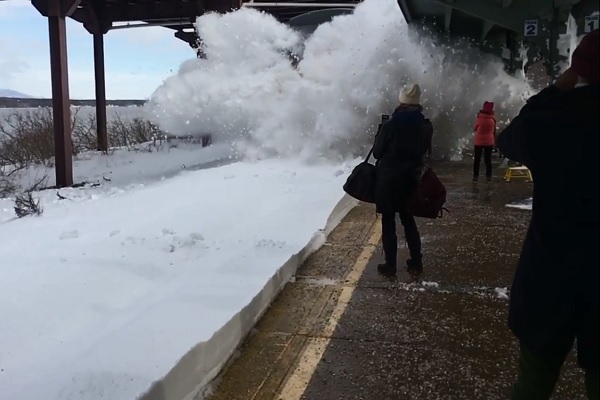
341, 331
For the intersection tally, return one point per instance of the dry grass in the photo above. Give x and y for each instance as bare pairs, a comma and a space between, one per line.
27, 139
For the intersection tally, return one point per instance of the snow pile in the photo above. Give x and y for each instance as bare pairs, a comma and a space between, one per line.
101, 297
501, 293
526, 204
247, 92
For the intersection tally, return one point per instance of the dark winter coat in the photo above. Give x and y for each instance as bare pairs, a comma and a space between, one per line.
555, 290
399, 148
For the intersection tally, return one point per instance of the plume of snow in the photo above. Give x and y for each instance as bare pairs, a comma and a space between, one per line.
247, 92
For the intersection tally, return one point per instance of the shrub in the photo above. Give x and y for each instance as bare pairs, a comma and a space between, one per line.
26, 204
27, 139
27, 136
129, 133
7, 185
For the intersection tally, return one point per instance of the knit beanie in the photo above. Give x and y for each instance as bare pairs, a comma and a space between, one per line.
585, 58
411, 94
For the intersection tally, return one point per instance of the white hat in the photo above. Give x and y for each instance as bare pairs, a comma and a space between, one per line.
411, 94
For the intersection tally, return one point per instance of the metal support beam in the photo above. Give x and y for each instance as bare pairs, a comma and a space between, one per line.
405, 11
68, 7
511, 45
553, 57
485, 29
447, 18
193, 40
61, 111
57, 11
101, 120
98, 28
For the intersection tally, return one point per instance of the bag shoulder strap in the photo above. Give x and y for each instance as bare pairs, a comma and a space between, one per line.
369, 154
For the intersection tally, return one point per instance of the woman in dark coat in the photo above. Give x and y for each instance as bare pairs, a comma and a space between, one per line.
399, 148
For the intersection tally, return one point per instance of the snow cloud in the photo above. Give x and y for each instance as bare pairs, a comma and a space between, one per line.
247, 92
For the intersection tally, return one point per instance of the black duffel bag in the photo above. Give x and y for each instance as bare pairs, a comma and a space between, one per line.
361, 182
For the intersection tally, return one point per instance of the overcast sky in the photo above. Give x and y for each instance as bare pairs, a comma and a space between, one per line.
137, 60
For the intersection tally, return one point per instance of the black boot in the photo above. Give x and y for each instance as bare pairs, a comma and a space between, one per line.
387, 269
414, 266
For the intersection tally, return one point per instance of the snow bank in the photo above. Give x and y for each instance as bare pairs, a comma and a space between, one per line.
190, 378
121, 170
100, 299
247, 92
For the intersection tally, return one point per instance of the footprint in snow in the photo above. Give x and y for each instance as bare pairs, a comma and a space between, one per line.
167, 231
196, 236
69, 235
192, 240
270, 243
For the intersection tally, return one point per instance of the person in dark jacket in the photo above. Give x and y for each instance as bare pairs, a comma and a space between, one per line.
555, 293
399, 148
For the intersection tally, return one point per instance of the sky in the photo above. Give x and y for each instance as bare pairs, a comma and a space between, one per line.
137, 59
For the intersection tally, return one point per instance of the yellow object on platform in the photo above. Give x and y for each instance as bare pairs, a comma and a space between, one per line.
518, 173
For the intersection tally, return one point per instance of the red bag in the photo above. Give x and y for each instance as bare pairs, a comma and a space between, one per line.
428, 199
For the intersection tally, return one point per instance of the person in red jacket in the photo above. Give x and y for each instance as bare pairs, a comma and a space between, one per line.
485, 139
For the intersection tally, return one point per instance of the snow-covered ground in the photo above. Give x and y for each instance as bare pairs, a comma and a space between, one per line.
123, 167
103, 293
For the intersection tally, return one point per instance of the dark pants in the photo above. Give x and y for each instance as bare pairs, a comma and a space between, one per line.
487, 157
390, 240
538, 374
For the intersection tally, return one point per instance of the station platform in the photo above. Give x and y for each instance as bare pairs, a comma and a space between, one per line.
341, 331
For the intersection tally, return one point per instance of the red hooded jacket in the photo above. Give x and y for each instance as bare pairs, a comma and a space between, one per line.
485, 129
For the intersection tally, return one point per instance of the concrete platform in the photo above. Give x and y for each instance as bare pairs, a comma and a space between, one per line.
341, 331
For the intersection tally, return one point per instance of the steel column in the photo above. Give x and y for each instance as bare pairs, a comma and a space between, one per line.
553, 56
102, 135
61, 111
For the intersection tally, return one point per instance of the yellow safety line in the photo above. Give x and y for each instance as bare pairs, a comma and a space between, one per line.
297, 382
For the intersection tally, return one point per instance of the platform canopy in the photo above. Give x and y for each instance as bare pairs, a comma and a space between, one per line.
501, 26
